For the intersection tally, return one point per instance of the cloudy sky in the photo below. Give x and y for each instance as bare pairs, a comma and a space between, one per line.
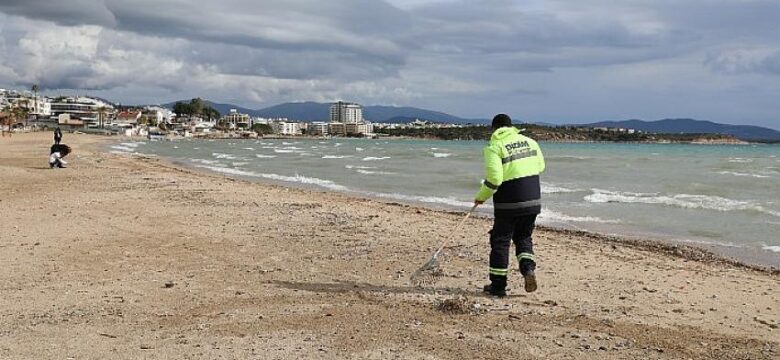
556, 61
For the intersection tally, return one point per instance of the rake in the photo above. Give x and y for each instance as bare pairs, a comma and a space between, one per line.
431, 270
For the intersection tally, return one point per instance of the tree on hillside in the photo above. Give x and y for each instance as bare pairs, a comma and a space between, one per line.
196, 107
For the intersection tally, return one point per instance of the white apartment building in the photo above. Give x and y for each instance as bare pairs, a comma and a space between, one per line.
359, 129
38, 106
345, 112
83, 108
160, 114
286, 128
318, 128
234, 119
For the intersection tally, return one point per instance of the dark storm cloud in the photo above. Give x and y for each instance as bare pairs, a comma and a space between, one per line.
596, 56
71, 12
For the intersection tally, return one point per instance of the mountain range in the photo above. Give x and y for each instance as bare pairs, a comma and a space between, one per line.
315, 111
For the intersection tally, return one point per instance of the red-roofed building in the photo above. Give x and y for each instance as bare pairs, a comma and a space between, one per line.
128, 117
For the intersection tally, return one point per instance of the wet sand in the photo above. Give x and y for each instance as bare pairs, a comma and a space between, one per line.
126, 257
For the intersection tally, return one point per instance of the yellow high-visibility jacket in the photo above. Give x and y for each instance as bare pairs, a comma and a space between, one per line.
513, 163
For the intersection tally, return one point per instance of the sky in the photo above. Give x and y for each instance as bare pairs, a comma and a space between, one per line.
553, 61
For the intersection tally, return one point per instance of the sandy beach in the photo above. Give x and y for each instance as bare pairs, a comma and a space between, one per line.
125, 257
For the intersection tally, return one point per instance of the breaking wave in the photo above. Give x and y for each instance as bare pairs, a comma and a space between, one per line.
450, 201
224, 156
441, 155
554, 189
261, 156
744, 174
551, 216
374, 158
369, 172
336, 156
771, 248
685, 201
294, 179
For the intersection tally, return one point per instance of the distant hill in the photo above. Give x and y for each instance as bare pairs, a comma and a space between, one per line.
691, 126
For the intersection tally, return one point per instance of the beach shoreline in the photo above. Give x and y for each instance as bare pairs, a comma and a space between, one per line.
141, 257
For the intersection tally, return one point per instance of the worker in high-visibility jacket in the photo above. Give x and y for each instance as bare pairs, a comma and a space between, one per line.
513, 163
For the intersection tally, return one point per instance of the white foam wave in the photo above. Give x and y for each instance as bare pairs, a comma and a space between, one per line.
283, 151
740, 160
570, 157
359, 149
771, 248
441, 155
261, 156
295, 179
554, 189
132, 144
239, 163
336, 156
677, 200
375, 158
224, 156
207, 162
450, 201
359, 167
551, 216
249, 148
744, 174
369, 172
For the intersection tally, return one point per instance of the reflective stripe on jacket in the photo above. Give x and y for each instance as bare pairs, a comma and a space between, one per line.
513, 163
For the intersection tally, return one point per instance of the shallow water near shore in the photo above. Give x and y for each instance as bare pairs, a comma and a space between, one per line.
722, 197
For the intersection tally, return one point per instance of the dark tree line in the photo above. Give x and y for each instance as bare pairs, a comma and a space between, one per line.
196, 107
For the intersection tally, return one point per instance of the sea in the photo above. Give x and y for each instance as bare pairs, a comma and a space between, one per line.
722, 197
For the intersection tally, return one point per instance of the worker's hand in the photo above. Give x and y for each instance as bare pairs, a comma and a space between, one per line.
478, 202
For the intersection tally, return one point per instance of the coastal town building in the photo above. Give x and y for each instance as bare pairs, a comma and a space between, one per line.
286, 128
346, 112
317, 128
159, 114
347, 119
37, 106
128, 117
337, 128
90, 110
358, 129
236, 120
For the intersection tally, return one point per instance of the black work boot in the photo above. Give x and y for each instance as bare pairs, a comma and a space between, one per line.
492, 290
530, 281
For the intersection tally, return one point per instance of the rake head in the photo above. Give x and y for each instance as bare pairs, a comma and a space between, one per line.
428, 273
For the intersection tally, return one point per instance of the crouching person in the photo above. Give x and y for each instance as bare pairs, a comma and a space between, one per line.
56, 155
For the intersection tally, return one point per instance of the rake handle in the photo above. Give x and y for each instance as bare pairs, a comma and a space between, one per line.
457, 227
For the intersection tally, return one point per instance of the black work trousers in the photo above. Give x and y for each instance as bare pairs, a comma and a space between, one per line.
506, 229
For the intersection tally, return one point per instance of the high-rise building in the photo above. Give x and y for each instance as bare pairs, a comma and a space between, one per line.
347, 113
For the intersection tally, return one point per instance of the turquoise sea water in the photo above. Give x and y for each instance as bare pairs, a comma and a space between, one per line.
722, 197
